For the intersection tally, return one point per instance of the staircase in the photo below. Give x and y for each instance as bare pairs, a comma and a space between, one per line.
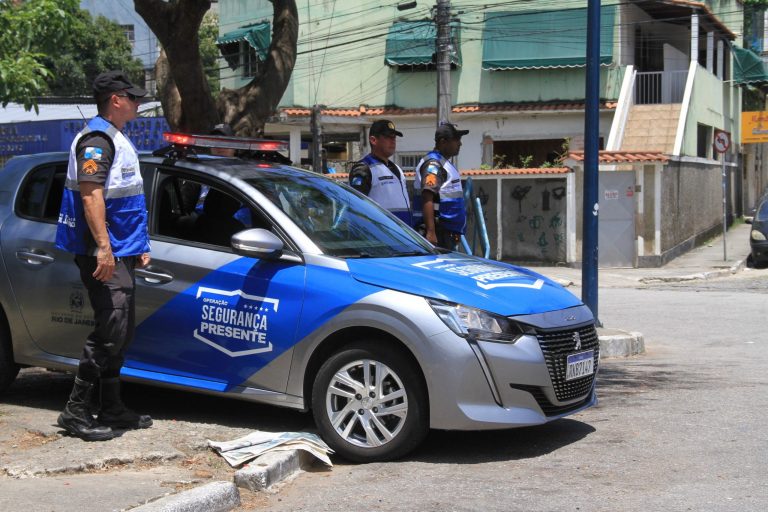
651, 128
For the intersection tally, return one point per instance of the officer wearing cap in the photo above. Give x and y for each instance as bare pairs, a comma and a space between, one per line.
438, 189
378, 177
103, 221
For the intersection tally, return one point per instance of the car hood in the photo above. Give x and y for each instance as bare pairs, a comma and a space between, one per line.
485, 284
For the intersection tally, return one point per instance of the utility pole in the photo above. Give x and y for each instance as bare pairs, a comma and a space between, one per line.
444, 50
317, 139
589, 255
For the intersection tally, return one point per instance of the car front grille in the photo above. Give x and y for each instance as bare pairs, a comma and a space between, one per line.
547, 407
556, 345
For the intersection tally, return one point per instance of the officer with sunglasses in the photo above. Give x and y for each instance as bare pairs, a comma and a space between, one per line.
103, 221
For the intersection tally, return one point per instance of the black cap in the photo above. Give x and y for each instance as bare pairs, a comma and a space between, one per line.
116, 81
383, 127
449, 131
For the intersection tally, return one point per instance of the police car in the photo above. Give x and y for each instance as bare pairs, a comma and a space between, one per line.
277, 285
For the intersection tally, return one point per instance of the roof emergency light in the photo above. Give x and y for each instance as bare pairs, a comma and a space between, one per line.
224, 142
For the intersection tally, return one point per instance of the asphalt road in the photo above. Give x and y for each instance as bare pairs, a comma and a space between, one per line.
680, 428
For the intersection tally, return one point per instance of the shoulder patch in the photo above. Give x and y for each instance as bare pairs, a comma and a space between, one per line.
90, 167
357, 181
433, 168
93, 153
430, 180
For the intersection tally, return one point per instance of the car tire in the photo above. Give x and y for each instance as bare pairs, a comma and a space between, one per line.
8, 368
378, 421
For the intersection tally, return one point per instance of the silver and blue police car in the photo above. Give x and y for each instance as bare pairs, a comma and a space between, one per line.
277, 285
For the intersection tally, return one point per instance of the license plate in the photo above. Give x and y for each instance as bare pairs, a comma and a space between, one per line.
580, 365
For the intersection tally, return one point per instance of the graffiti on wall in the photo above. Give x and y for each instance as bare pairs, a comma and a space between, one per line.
534, 220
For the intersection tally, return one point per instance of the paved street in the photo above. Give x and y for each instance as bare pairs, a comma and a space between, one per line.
680, 428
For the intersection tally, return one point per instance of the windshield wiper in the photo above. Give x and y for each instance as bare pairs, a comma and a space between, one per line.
408, 253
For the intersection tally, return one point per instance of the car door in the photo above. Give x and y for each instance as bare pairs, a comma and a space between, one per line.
207, 317
45, 280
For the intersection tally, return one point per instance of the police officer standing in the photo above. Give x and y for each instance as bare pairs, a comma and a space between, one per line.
378, 177
103, 221
438, 186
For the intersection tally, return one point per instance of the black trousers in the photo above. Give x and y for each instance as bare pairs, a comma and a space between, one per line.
447, 239
114, 313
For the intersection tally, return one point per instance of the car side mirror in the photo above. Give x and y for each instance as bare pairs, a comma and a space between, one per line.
748, 220
257, 243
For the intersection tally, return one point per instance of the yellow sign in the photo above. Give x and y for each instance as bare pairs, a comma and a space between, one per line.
754, 127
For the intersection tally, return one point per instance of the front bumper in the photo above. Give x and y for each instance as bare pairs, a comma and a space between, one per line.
759, 251
515, 385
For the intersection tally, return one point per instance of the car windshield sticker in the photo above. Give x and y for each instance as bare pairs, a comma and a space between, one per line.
484, 274
228, 316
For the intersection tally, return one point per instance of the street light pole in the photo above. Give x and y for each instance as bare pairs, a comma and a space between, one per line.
589, 251
443, 50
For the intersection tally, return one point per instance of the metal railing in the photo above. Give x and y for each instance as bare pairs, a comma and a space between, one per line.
660, 87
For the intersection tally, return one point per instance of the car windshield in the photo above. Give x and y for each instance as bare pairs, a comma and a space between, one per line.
340, 221
762, 212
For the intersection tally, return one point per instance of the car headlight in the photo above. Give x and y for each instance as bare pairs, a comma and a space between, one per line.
474, 323
757, 236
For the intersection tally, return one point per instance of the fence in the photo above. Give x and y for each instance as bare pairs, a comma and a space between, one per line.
660, 87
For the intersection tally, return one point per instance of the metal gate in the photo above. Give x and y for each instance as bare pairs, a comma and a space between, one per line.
616, 233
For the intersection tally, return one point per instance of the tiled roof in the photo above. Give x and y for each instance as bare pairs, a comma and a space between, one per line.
621, 157
484, 172
364, 110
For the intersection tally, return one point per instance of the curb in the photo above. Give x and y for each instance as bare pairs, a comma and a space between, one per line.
271, 468
734, 269
212, 497
616, 343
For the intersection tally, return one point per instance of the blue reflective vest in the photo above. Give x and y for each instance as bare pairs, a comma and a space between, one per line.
451, 208
126, 210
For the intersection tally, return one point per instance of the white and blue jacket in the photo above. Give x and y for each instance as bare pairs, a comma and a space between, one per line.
389, 191
453, 214
126, 210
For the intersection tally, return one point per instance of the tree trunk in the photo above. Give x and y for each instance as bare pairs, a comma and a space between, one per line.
247, 109
188, 106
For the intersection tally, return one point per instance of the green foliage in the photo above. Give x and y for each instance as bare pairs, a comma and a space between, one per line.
54, 47
756, 3
28, 31
525, 161
95, 45
209, 52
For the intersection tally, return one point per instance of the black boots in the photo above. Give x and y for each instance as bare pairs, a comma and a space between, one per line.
76, 418
114, 413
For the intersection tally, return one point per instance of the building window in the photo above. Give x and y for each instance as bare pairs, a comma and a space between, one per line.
704, 141
409, 161
130, 34
251, 61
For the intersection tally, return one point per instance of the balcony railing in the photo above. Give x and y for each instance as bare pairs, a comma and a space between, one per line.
660, 87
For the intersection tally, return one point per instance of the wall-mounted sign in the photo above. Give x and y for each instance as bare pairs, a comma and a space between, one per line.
754, 127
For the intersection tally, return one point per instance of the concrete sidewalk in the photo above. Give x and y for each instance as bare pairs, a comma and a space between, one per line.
704, 262
708, 261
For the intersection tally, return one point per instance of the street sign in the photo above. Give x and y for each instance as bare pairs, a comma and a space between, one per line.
754, 127
722, 141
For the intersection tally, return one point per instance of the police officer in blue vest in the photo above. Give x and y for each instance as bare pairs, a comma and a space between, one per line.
438, 188
103, 221
378, 177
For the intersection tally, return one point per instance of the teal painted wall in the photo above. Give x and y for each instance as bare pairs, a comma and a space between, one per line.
353, 72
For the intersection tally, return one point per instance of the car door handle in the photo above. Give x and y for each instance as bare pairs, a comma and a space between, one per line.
153, 275
34, 258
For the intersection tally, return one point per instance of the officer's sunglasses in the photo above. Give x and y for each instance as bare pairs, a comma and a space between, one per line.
128, 95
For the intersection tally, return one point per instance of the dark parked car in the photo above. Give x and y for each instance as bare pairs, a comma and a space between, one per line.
758, 236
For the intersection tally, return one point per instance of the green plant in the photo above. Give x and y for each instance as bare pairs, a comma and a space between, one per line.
526, 161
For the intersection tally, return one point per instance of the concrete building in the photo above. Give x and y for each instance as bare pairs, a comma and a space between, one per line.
143, 40
669, 85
